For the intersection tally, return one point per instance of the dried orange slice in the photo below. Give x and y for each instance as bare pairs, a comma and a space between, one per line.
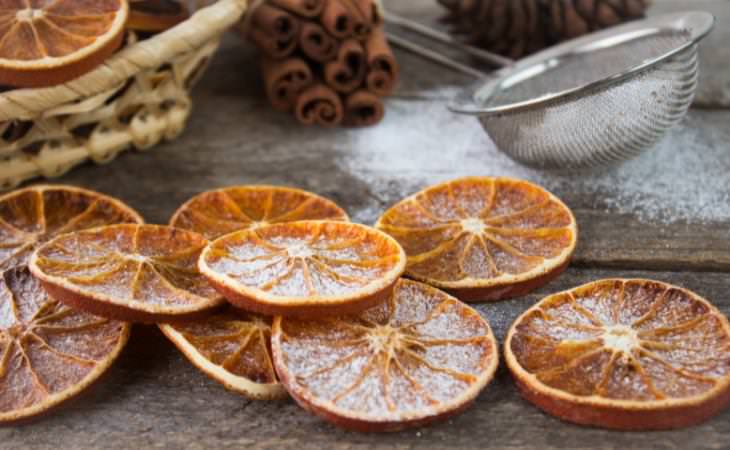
233, 348
139, 273
624, 354
304, 268
50, 352
483, 238
45, 42
155, 15
222, 211
31, 216
419, 357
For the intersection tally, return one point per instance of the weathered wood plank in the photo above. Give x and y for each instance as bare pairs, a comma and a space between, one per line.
153, 398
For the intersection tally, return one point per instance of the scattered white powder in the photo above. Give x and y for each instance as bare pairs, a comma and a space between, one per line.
685, 178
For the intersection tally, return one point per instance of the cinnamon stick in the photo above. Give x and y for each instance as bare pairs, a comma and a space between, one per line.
369, 10
285, 80
384, 72
347, 72
319, 104
304, 8
316, 43
273, 48
360, 25
276, 22
337, 20
362, 109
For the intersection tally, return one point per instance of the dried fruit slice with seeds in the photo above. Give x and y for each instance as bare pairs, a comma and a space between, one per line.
139, 273
623, 354
43, 42
156, 15
304, 268
50, 352
232, 346
222, 211
483, 238
419, 357
34, 215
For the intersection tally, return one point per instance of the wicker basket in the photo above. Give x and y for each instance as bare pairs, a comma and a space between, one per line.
137, 98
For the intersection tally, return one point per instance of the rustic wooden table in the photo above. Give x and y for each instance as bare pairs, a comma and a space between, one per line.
665, 215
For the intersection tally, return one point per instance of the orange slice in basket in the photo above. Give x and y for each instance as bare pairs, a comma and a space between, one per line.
219, 212
623, 354
31, 216
138, 273
419, 357
233, 347
45, 42
483, 238
155, 15
50, 352
304, 268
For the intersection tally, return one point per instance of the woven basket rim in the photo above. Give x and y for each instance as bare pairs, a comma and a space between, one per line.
147, 54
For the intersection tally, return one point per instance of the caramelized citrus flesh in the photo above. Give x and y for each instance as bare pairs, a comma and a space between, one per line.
50, 352
146, 268
417, 357
35, 30
303, 262
236, 342
29, 217
624, 341
481, 232
223, 211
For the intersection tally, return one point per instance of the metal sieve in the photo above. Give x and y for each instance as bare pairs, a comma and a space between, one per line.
591, 101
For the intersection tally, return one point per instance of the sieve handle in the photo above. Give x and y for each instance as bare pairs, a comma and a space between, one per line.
425, 31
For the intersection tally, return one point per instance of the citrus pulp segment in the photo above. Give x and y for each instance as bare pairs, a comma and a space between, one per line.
304, 268
233, 348
483, 238
624, 354
31, 216
50, 352
139, 273
47, 42
155, 15
419, 357
222, 211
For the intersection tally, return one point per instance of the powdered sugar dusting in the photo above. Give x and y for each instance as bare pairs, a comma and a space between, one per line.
683, 179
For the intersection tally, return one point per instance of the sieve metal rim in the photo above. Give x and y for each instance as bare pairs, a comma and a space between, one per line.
697, 23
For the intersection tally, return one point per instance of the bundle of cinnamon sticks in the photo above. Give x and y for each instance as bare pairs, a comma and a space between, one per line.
327, 61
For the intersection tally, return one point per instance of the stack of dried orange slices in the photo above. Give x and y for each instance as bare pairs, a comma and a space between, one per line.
316, 306
45, 43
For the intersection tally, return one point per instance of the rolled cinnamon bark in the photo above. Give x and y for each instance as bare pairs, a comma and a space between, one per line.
285, 80
276, 22
304, 8
347, 72
319, 104
273, 48
361, 26
369, 11
316, 43
383, 68
363, 109
337, 19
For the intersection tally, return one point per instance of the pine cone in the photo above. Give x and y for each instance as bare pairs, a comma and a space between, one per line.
515, 28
